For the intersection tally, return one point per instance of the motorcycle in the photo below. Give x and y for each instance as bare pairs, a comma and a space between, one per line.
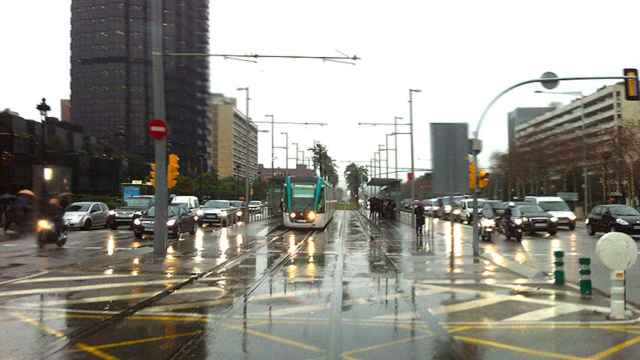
487, 228
47, 233
512, 228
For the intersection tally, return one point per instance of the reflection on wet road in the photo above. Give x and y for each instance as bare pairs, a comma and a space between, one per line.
352, 291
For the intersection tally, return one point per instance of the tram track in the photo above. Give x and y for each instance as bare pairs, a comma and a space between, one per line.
79, 335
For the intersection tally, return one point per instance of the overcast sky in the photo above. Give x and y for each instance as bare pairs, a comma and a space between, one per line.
460, 53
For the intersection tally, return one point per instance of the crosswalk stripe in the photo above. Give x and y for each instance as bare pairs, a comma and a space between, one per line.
73, 278
548, 313
85, 288
467, 305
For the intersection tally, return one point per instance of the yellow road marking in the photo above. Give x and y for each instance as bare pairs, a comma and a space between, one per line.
459, 329
146, 340
347, 354
95, 352
614, 349
47, 330
274, 338
476, 341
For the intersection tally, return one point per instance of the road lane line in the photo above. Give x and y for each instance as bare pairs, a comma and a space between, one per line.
72, 278
467, 305
614, 349
518, 349
86, 287
274, 338
544, 314
53, 332
146, 340
23, 278
99, 299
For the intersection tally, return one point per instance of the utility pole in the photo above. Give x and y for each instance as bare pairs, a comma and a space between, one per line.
273, 168
286, 149
161, 191
297, 150
413, 167
395, 141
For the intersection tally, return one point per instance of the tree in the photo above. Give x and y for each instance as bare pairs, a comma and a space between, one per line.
355, 177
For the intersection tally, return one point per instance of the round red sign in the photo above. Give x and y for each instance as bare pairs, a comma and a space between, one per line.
157, 129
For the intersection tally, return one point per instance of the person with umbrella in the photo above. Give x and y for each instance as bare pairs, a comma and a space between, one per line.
21, 210
418, 210
5, 202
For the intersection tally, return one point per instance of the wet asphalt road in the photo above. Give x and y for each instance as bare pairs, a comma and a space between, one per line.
259, 292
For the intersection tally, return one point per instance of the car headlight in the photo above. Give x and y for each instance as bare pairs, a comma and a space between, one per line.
239, 213
517, 221
292, 215
487, 222
44, 225
200, 213
622, 222
112, 213
572, 217
456, 212
171, 222
223, 213
311, 216
525, 219
554, 219
447, 208
137, 222
139, 213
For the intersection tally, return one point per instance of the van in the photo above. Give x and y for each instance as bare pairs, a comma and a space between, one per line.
556, 207
191, 202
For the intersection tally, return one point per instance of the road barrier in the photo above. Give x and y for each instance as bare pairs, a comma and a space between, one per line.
559, 266
585, 276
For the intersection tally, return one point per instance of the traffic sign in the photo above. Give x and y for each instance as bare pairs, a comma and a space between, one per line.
617, 251
158, 129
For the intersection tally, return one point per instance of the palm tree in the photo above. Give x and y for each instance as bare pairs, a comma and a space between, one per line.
355, 176
321, 160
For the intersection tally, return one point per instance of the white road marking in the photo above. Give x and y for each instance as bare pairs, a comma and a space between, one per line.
467, 305
85, 288
401, 316
548, 313
13, 281
99, 299
74, 278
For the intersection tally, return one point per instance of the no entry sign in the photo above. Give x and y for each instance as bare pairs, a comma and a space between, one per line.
157, 129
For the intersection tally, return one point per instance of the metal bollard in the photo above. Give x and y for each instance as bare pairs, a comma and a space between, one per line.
585, 276
559, 265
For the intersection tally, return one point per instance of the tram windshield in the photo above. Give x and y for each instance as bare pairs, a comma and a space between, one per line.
303, 196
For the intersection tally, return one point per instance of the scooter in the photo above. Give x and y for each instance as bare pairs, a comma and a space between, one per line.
46, 233
512, 228
487, 228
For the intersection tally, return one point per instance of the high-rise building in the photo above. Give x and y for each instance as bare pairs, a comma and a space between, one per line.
111, 88
233, 146
65, 110
520, 116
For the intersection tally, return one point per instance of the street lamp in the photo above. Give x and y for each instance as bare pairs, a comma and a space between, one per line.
585, 172
273, 170
47, 173
297, 150
286, 149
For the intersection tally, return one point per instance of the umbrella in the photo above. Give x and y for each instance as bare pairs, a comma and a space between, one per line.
26, 193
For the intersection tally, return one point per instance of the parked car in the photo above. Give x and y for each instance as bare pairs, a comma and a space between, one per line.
216, 212
179, 220
255, 206
609, 218
135, 206
190, 202
535, 219
557, 207
86, 215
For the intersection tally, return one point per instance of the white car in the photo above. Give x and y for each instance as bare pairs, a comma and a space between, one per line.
216, 212
86, 215
557, 207
255, 206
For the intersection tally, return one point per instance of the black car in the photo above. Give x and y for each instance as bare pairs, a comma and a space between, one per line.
609, 218
180, 220
535, 219
125, 215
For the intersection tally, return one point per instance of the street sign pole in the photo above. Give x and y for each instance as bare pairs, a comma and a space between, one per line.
161, 191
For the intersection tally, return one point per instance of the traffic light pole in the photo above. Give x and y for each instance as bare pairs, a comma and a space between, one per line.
161, 191
476, 136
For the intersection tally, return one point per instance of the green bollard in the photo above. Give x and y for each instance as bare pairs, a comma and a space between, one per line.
585, 276
559, 264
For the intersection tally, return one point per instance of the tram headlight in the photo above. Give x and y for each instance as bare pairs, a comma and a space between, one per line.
311, 216
292, 215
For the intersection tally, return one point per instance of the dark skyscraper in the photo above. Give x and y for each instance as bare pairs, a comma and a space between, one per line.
111, 75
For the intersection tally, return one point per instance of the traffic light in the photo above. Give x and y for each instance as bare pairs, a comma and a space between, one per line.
472, 173
631, 85
173, 170
152, 174
483, 179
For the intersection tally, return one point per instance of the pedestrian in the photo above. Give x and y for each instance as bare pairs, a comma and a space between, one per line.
372, 206
420, 220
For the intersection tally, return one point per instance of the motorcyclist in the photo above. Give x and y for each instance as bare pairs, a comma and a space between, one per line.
55, 213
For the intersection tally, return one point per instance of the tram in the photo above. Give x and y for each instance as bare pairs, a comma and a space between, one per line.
308, 202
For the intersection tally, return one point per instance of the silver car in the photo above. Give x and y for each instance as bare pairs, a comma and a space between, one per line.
86, 215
